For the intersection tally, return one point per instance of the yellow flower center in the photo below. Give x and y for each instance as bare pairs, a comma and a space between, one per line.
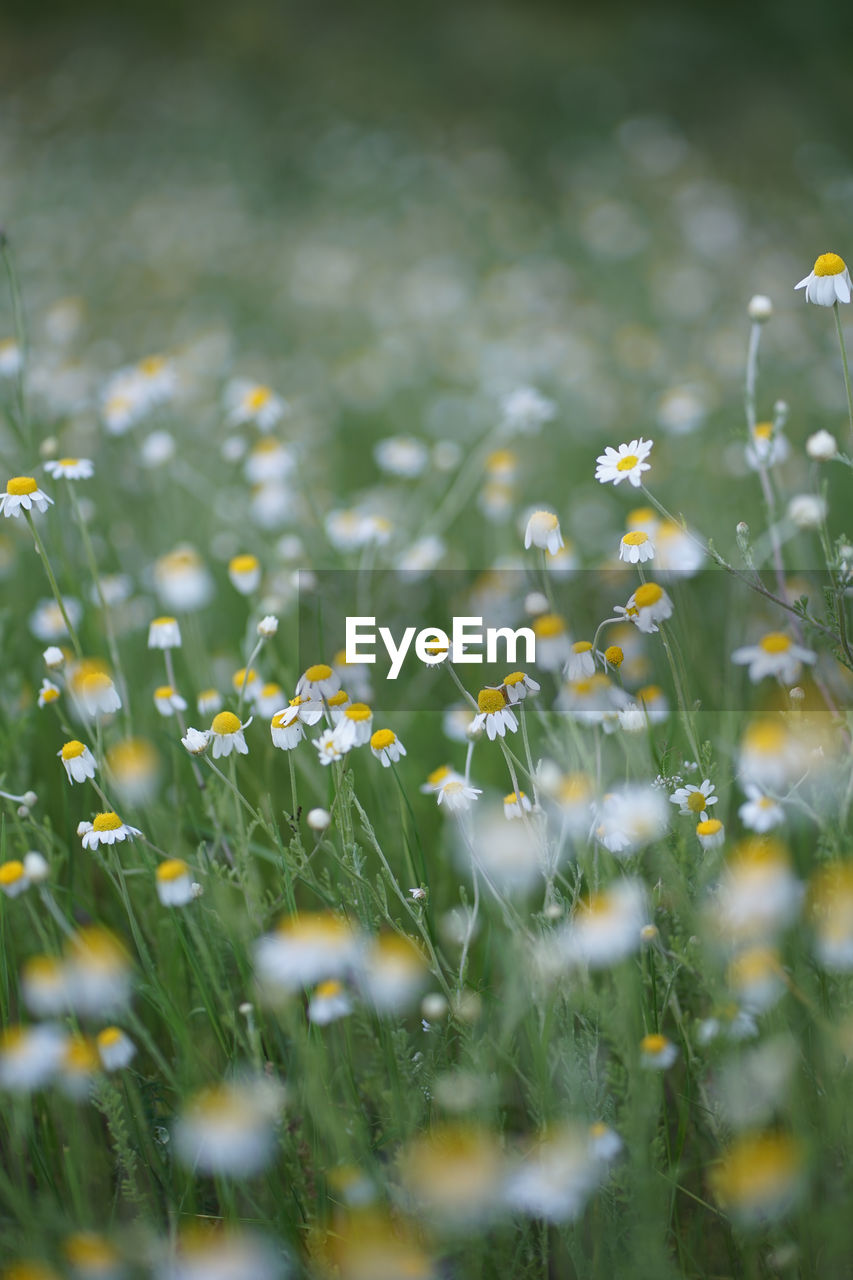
501, 460
80, 1056
95, 681
172, 869
635, 538
338, 699
766, 736
11, 872
653, 1044
20, 485
257, 398
270, 690
776, 642
582, 646
68, 462
72, 749
226, 722
49, 695
649, 693
318, 672
514, 797
109, 1036
544, 519
829, 264
243, 676
151, 365
514, 677
278, 720
711, 827
132, 758
641, 515
331, 987
764, 430
162, 622
358, 711
628, 462
647, 595
85, 1249
614, 655
164, 691
696, 801
490, 701
106, 822
438, 775
243, 564
548, 625
383, 738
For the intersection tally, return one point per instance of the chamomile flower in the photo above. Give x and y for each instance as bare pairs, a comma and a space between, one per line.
831, 915
70, 468
636, 547
711, 833
436, 779
525, 410
543, 530
354, 727
516, 804
77, 760
771, 755
632, 817
98, 695
106, 828
628, 462
776, 655
555, 1178
53, 657
30, 1056
402, 456
11, 358
48, 692
755, 978
494, 714
47, 623
268, 699
306, 949
767, 447
183, 581
391, 973
209, 701
657, 1052
167, 700
330, 1001
695, 801
115, 1048
455, 795
758, 893
245, 573
760, 812
91, 1257
386, 746
317, 682
196, 741
828, 281
230, 1128
581, 663
78, 1067
518, 685
593, 700
98, 972
606, 927
246, 683
759, 1176
329, 748
13, 878
553, 645
648, 606
247, 401
654, 703
174, 883
227, 733
23, 494
164, 633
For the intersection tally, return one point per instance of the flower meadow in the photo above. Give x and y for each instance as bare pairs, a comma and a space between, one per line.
337, 969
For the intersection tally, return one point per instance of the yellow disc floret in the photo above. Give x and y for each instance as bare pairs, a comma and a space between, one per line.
11, 872
776, 642
358, 711
696, 801
628, 462
72, 749
226, 722
829, 264
490, 700
636, 538
243, 564
647, 595
548, 625
106, 822
614, 655
172, 869
383, 738
318, 672
19, 486
711, 827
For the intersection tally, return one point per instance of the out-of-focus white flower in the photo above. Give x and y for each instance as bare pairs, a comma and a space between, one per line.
13, 878
306, 949
543, 530
115, 1048
70, 468
774, 655
230, 1128
167, 700
196, 741
758, 893
329, 1002
164, 633
632, 817
556, 1177
402, 456
30, 1056
247, 401
183, 581
822, 446
267, 627
648, 606
525, 410
53, 657
319, 819
657, 1052
760, 308
760, 812
455, 795
807, 510
768, 446
36, 867
606, 928
174, 883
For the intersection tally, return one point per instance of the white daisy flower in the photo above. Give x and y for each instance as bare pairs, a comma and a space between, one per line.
387, 747
78, 761
648, 606
329, 1002
196, 741
268, 699
174, 883
828, 281
209, 701
631, 818
822, 446
774, 655
22, 494
768, 447
107, 828
164, 633
47, 623
525, 410
711, 833
695, 801
402, 456
354, 727
53, 657
543, 530
268, 463
115, 1048
581, 664
70, 468
268, 626
436, 779
455, 794
636, 547
494, 715
517, 685
286, 725
13, 878
329, 748
11, 358
657, 1053
760, 812
98, 695
167, 700
248, 401
318, 682
229, 1129
553, 644
516, 804
245, 573
628, 462
227, 733
49, 692
605, 928
183, 581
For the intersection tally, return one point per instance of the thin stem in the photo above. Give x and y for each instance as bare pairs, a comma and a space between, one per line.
837, 311
40, 547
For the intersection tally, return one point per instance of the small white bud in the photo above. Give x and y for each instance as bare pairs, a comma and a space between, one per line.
418, 895
36, 868
553, 911
49, 447
30, 798
433, 1006
196, 741
807, 511
22, 811
319, 819
796, 694
822, 446
760, 308
268, 626
536, 603
53, 657
196, 889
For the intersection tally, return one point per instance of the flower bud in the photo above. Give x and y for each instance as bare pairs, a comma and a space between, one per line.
760, 308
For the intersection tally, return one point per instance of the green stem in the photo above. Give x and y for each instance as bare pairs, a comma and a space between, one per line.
837, 311
40, 547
